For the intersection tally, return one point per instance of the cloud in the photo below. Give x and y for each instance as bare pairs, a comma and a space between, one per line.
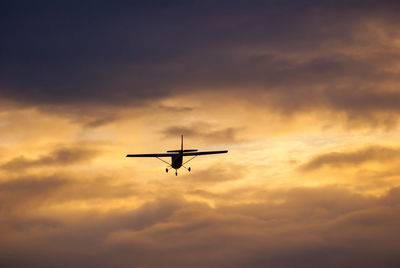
300, 56
59, 157
354, 158
216, 174
266, 234
23, 194
204, 131
312, 227
28, 192
123, 71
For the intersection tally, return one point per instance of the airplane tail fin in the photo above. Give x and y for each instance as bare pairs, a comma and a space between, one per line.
181, 150
181, 142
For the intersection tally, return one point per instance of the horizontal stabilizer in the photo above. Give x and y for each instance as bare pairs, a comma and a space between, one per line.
204, 153
149, 155
177, 151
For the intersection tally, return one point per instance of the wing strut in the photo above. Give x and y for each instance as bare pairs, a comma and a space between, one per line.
190, 159
164, 160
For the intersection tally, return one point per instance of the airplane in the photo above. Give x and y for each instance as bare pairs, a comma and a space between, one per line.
177, 157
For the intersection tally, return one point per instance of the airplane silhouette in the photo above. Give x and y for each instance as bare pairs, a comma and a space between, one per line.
177, 156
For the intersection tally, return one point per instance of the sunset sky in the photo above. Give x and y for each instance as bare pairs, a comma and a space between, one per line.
305, 95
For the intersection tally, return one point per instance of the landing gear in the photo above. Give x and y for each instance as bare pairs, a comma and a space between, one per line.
187, 168
176, 173
166, 170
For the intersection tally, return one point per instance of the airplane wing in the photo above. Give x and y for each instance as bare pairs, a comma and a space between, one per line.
204, 153
150, 155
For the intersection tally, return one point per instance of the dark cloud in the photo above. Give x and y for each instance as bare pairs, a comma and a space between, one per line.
354, 158
312, 227
23, 225
303, 54
204, 131
86, 116
28, 192
59, 157
25, 193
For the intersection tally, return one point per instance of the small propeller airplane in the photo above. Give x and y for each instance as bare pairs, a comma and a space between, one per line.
177, 157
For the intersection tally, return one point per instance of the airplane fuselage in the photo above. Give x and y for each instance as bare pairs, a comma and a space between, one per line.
177, 160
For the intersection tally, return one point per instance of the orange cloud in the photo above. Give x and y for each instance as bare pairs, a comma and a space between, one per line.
340, 159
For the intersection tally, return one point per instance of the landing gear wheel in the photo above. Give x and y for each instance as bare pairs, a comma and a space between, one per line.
176, 173
166, 170
189, 169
